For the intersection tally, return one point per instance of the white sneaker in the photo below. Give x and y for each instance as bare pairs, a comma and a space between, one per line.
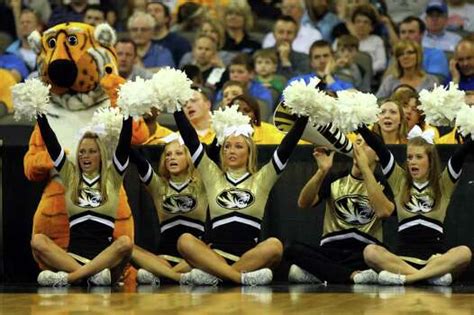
258, 277
390, 278
299, 275
444, 280
368, 276
48, 278
198, 277
101, 278
146, 277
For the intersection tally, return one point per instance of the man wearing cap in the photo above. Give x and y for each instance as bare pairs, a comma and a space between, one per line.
436, 35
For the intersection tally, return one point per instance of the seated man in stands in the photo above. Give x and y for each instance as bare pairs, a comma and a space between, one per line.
127, 60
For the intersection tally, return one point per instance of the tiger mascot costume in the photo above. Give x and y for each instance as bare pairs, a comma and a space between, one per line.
80, 64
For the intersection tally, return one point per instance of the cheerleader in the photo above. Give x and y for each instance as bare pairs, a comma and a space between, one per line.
237, 195
422, 194
92, 197
356, 202
181, 203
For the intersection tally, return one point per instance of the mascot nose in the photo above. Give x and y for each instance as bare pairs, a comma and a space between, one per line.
62, 72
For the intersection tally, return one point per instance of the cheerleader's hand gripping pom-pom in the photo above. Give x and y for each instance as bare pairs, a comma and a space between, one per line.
30, 99
135, 98
230, 121
307, 100
172, 89
441, 105
465, 121
354, 109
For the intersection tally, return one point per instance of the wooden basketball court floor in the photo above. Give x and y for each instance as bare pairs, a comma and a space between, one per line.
275, 299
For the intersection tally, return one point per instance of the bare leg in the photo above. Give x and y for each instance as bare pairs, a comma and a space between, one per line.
116, 255
266, 254
47, 253
199, 255
454, 261
182, 267
153, 264
378, 258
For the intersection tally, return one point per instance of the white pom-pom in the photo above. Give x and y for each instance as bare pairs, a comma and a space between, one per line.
355, 108
106, 123
229, 121
440, 106
135, 98
307, 100
105, 34
30, 99
465, 121
172, 89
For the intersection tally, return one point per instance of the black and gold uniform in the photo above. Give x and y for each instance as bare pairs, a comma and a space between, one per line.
350, 224
421, 217
91, 219
181, 204
237, 200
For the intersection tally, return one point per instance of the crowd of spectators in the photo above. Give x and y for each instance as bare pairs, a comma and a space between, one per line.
258, 47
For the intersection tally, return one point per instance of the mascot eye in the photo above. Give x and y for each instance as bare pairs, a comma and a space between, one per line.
72, 40
52, 42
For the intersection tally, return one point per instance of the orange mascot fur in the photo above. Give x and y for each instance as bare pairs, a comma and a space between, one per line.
80, 64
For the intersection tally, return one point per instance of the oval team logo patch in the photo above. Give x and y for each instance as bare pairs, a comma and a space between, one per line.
235, 199
179, 204
355, 210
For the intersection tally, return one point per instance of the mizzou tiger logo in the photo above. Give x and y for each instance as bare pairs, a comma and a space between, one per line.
355, 210
179, 204
73, 58
420, 203
235, 199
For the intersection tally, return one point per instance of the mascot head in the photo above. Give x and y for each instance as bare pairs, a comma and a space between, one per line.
74, 57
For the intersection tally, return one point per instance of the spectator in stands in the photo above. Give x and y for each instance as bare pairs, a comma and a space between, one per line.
42, 8
73, 12
214, 29
28, 22
198, 112
189, 18
462, 65
177, 44
127, 61
407, 70
155, 130
193, 73
242, 69
392, 125
364, 19
266, 62
153, 55
400, 9
204, 56
434, 59
238, 22
230, 90
306, 34
436, 21
263, 132
322, 64
14, 65
345, 68
461, 16
94, 15
408, 98
320, 17
290, 62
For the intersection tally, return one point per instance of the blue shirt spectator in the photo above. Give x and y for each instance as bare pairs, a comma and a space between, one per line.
157, 56
12, 62
337, 85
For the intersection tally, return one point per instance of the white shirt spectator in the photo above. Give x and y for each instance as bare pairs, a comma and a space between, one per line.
304, 39
400, 9
461, 18
374, 46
